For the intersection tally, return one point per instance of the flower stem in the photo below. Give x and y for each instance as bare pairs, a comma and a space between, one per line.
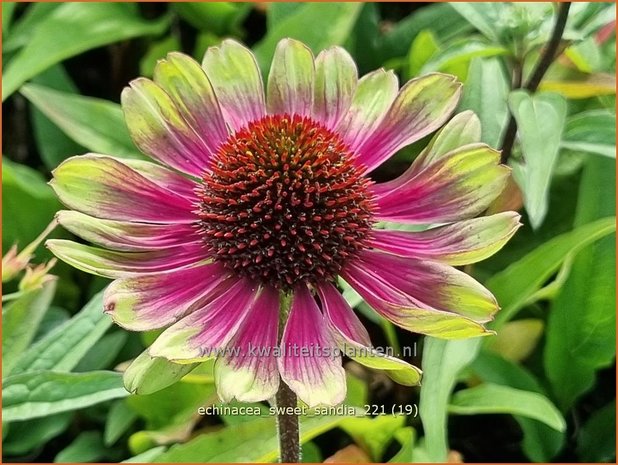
287, 420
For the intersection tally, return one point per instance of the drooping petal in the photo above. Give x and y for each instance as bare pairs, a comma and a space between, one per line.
248, 369
237, 81
291, 79
104, 187
422, 296
459, 243
373, 96
159, 130
311, 362
336, 78
148, 302
354, 339
164, 177
458, 186
128, 236
421, 107
186, 83
111, 264
205, 332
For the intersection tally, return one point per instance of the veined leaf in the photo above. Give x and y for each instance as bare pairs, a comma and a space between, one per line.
591, 131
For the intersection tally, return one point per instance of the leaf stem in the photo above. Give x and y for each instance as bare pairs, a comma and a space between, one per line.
287, 421
535, 79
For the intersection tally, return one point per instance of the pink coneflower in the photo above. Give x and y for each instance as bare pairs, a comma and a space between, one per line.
260, 199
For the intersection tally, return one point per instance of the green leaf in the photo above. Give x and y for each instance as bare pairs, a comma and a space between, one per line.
494, 398
21, 30
20, 321
62, 349
513, 286
95, 24
407, 437
254, 441
337, 20
540, 121
103, 353
96, 124
24, 436
147, 375
597, 442
118, 421
541, 443
424, 46
373, 434
581, 329
52, 143
35, 395
591, 131
8, 8
442, 361
24, 190
220, 18
461, 52
146, 457
86, 447
483, 16
485, 93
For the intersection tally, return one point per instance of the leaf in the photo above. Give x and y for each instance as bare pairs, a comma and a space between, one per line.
483, 16
581, 329
591, 131
43, 393
596, 442
461, 52
424, 46
24, 190
485, 93
63, 348
337, 20
494, 398
86, 447
21, 30
373, 434
585, 55
20, 321
118, 421
146, 457
513, 286
24, 436
220, 18
255, 441
442, 362
96, 124
541, 443
540, 121
407, 437
95, 24
8, 8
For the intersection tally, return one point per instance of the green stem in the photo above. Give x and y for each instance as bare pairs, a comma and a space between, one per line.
287, 421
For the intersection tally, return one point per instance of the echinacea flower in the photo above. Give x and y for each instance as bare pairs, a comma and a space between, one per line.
258, 195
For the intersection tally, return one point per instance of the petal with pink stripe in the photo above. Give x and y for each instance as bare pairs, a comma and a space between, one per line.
158, 128
111, 264
186, 83
144, 303
104, 187
247, 371
422, 106
128, 236
353, 338
458, 243
372, 98
311, 361
236, 78
291, 79
459, 185
336, 78
205, 332
422, 296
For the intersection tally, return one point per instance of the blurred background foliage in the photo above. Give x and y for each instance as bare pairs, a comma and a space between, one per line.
542, 389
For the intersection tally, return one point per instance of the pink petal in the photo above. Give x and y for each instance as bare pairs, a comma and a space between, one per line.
205, 332
311, 362
248, 369
104, 187
144, 303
